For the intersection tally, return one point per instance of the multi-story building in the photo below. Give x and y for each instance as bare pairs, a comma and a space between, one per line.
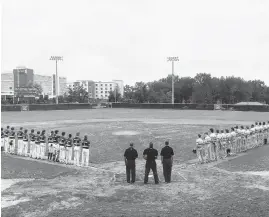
15, 83
98, 90
7, 85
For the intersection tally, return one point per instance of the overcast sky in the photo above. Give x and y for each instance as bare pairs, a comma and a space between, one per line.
129, 40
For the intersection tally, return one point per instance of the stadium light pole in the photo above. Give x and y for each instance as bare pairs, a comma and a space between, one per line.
56, 59
173, 59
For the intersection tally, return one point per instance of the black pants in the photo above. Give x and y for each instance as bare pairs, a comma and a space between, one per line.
167, 169
130, 170
151, 165
50, 156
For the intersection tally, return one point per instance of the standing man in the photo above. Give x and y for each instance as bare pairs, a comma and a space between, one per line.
167, 154
42, 145
77, 149
6, 140
69, 150
62, 148
150, 155
25, 143
214, 150
32, 143
20, 141
12, 136
2, 139
50, 145
56, 147
37, 146
233, 141
85, 151
199, 149
207, 147
130, 155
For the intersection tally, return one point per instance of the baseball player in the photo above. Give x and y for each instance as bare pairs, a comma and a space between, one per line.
69, 150
253, 136
248, 138
32, 143
229, 141
42, 145
62, 144
6, 140
12, 143
233, 141
25, 140
37, 146
50, 145
56, 145
20, 141
2, 139
219, 144
199, 149
207, 147
85, 151
77, 149
213, 137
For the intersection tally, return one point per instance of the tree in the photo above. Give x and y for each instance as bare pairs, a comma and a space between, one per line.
77, 94
111, 97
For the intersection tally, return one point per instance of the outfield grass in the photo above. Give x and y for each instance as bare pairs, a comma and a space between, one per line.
180, 127
229, 188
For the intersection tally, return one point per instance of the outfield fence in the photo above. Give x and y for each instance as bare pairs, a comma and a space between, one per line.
193, 106
44, 107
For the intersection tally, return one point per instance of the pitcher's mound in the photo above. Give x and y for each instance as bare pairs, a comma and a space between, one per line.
125, 133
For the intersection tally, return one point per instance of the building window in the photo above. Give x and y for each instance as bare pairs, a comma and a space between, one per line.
106, 88
101, 84
101, 88
110, 84
96, 84
96, 88
10, 88
105, 91
96, 96
101, 91
110, 88
105, 84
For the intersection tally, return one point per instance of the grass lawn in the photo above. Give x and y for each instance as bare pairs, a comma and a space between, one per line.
225, 189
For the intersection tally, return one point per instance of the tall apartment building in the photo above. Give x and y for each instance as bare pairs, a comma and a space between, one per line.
99, 90
7, 85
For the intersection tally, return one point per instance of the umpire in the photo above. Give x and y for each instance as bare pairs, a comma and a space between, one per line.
150, 155
129, 157
167, 154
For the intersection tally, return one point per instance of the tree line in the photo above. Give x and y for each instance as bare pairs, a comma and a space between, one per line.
203, 88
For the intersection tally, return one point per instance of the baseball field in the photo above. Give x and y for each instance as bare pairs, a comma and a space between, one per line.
234, 187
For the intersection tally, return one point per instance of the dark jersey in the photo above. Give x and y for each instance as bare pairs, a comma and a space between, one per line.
62, 141
42, 139
2, 134
37, 139
167, 152
151, 154
85, 144
56, 138
20, 134
32, 137
12, 135
25, 137
76, 141
50, 138
6, 133
69, 142
130, 154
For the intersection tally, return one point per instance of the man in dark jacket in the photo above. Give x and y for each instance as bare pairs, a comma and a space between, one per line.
129, 158
167, 154
150, 155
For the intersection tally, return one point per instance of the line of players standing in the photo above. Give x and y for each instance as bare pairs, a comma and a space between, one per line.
55, 148
221, 144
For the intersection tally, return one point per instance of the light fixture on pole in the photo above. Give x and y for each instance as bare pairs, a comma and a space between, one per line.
56, 59
172, 59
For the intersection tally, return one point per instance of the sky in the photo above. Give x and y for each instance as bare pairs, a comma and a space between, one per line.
129, 40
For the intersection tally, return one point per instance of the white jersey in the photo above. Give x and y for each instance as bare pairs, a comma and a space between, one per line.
219, 137
213, 137
233, 135
243, 132
199, 143
252, 130
228, 136
207, 139
247, 132
256, 128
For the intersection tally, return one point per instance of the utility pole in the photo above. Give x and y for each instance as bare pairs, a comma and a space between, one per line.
172, 59
56, 59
